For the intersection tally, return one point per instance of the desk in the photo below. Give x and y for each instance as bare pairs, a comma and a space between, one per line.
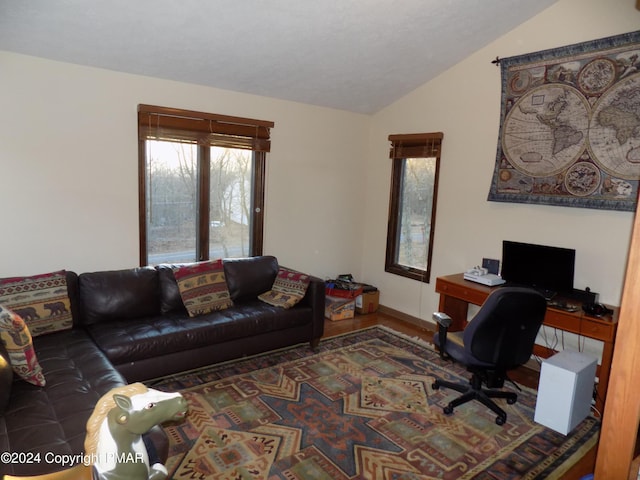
456, 294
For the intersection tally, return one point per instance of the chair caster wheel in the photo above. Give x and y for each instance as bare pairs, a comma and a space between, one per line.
511, 401
500, 420
448, 410
435, 385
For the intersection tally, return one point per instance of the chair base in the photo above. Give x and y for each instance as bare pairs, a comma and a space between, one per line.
474, 391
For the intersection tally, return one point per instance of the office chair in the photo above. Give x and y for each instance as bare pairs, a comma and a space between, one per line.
498, 338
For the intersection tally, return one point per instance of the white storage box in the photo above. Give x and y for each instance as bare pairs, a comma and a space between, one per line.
566, 389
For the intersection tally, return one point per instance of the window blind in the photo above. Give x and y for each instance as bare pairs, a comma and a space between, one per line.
162, 123
415, 145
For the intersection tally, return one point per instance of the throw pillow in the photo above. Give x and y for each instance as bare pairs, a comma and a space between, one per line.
287, 290
40, 300
16, 338
203, 287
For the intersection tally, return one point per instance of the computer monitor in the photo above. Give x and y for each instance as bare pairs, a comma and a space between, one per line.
539, 266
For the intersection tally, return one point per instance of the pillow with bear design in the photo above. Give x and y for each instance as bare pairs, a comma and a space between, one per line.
42, 301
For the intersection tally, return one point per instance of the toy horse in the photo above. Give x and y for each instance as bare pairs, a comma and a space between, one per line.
114, 436
114, 431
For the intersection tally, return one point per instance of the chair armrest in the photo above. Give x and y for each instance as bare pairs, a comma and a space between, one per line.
442, 319
444, 322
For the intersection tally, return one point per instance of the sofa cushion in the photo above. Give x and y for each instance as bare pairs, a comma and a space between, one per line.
6, 378
249, 277
119, 294
287, 290
41, 300
17, 340
170, 299
246, 278
203, 287
155, 337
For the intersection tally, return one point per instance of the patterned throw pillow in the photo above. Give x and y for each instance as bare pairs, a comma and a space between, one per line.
288, 289
17, 340
41, 300
203, 287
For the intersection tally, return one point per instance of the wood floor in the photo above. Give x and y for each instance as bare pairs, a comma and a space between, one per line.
523, 376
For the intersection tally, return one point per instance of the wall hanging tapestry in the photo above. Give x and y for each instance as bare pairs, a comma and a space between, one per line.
570, 126
363, 408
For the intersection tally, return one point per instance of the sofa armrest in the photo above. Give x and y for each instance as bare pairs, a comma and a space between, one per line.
315, 299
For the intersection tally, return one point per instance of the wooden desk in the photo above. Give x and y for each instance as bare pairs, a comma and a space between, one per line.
456, 294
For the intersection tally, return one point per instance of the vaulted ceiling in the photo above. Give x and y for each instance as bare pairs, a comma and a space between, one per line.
355, 55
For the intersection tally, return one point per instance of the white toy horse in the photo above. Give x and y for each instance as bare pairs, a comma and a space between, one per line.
114, 431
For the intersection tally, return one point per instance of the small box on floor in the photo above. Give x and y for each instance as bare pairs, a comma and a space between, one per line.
338, 308
368, 302
337, 288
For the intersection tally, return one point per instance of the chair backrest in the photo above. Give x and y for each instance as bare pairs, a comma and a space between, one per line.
504, 330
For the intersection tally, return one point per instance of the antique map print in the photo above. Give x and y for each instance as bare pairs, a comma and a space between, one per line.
570, 126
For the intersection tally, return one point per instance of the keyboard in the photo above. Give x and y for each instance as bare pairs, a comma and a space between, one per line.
562, 305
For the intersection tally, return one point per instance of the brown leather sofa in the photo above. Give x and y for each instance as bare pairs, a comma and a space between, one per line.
130, 325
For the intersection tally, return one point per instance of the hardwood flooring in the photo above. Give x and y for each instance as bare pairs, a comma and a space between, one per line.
523, 376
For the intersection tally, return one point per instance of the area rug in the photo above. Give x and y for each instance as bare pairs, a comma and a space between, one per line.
360, 407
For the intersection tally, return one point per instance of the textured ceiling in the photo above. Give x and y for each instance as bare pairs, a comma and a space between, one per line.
355, 55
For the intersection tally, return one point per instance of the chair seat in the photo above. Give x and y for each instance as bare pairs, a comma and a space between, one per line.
455, 349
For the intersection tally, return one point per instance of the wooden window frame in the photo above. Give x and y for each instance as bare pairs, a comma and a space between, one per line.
403, 146
205, 130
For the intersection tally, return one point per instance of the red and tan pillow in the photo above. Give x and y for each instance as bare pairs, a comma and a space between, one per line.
288, 289
40, 300
16, 338
203, 287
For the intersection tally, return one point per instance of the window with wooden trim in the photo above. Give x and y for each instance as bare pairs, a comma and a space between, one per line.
412, 205
201, 185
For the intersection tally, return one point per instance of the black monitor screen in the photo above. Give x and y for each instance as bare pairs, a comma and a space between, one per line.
540, 266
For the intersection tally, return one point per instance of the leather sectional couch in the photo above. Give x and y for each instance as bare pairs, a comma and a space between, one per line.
131, 325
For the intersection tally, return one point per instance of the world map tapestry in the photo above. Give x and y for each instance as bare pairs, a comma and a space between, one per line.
570, 126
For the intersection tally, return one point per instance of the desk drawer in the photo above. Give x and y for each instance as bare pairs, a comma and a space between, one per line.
596, 329
476, 295
567, 321
579, 324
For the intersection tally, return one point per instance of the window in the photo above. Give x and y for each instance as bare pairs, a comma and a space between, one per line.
412, 206
201, 185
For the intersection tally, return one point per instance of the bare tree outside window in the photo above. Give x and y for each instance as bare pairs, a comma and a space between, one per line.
415, 213
230, 202
172, 201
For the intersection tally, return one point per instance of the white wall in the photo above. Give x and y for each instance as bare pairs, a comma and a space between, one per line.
464, 103
69, 169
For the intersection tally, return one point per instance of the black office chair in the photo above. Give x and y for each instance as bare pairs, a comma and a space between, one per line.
498, 338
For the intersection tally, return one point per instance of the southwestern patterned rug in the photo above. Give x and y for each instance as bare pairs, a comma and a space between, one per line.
362, 407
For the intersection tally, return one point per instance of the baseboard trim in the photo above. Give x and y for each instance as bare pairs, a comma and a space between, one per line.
405, 317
